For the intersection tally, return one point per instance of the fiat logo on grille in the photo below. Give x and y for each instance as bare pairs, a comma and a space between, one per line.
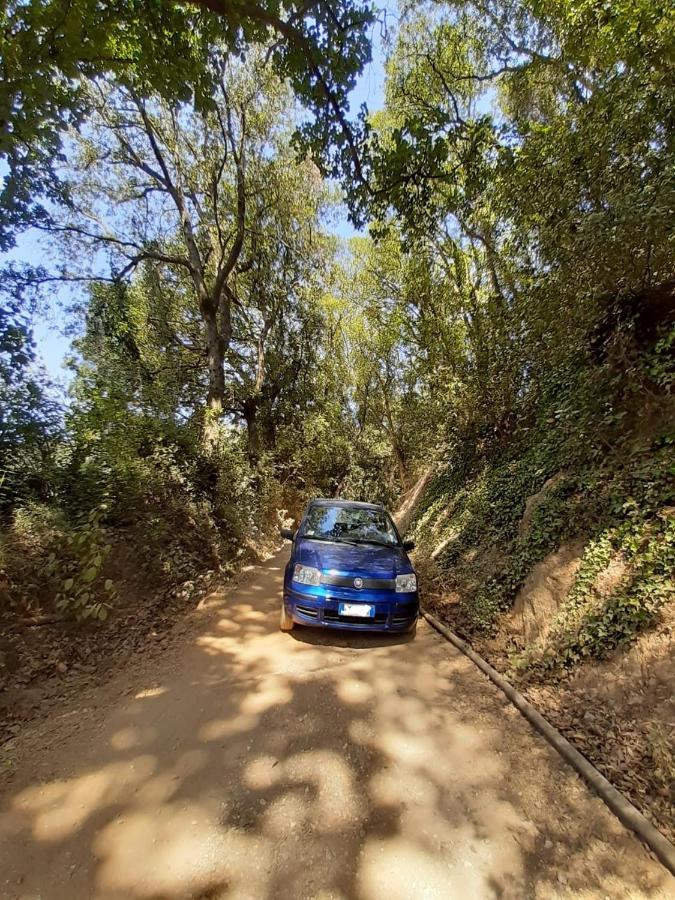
358, 583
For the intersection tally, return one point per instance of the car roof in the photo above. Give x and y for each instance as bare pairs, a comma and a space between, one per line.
327, 501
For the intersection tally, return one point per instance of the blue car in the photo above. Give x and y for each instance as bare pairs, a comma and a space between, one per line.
349, 569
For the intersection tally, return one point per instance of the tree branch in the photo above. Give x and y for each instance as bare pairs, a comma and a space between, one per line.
294, 36
206, 301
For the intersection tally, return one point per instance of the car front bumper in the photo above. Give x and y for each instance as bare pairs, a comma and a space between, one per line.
318, 606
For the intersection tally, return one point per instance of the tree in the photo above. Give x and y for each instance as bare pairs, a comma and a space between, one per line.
50, 49
215, 202
520, 160
29, 417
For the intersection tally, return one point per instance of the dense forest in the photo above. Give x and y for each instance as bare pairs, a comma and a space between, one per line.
501, 330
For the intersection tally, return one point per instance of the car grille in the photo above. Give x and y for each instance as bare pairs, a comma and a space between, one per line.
332, 615
307, 611
369, 584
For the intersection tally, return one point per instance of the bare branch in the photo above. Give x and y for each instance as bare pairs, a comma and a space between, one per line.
239, 156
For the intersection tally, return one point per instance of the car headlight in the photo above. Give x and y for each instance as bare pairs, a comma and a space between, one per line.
306, 575
406, 584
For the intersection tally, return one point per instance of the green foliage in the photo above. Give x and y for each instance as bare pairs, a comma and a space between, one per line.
167, 189
49, 48
623, 511
522, 163
593, 623
468, 524
26, 541
78, 565
661, 362
29, 417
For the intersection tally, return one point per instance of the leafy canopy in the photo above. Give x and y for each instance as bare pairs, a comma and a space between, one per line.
48, 48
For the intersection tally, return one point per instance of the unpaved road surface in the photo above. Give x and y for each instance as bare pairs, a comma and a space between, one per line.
245, 763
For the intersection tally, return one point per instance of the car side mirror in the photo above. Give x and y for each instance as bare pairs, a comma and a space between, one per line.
408, 545
288, 534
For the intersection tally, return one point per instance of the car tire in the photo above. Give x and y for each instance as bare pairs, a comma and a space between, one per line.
412, 631
286, 623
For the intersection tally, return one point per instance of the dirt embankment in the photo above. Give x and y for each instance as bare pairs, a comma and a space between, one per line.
410, 499
619, 712
46, 660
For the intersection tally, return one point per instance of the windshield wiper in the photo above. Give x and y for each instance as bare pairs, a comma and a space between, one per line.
344, 540
331, 540
369, 541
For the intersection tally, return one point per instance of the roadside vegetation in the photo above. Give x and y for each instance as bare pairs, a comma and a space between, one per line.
505, 321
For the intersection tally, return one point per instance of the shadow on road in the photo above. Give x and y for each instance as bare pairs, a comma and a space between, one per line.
354, 640
259, 765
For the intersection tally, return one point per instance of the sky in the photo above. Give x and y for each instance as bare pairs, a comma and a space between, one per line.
369, 89
53, 345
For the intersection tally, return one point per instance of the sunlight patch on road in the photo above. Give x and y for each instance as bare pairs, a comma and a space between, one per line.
287, 815
218, 729
434, 867
61, 808
132, 736
172, 851
399, 869
163, 786
150, 692
332, 796
264, 654
353, 691
385, 788
262, 772
229, 626
271, 692
413, 750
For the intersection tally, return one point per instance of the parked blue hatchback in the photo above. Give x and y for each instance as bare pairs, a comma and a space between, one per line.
349, 569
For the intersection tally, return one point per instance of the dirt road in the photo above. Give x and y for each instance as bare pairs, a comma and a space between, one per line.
250, 764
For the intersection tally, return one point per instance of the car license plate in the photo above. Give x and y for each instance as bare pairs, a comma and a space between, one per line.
365, 610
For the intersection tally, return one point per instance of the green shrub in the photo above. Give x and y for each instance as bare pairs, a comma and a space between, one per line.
78, 566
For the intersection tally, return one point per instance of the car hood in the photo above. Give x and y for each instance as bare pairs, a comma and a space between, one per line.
367, 560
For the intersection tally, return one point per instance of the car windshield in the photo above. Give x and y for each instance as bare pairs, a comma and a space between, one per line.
349, 524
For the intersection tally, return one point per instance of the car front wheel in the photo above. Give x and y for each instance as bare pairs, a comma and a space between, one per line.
286, 623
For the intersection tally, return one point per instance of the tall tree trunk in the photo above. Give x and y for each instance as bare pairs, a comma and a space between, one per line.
251, 418
269, 431
391, 430
400, 462
216, 394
